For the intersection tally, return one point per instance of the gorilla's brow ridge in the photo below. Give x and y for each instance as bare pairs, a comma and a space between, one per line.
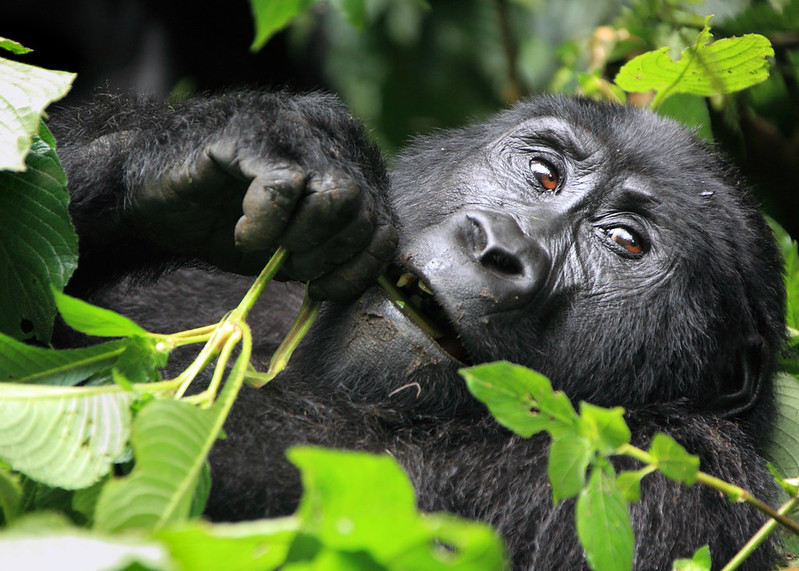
554, 133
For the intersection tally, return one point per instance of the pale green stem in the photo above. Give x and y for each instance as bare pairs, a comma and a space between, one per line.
395, 295
733, 492
763, 533
281, 356
207, 397
260, 283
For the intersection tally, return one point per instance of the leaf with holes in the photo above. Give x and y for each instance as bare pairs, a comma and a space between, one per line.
64, 437
38, 245
724, 66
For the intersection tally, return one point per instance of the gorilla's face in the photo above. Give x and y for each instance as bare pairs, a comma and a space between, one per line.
597, 244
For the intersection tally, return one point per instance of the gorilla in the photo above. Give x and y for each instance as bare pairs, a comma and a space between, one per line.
601, 245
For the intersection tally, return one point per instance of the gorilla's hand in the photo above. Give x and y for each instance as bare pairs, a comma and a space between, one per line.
226, 180
232, 206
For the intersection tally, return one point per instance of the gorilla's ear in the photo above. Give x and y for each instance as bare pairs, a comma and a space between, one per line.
738, 390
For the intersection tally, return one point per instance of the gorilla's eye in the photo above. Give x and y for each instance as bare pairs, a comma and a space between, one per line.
546, 175
626, 239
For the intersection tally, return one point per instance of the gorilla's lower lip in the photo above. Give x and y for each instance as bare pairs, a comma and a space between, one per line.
417, 302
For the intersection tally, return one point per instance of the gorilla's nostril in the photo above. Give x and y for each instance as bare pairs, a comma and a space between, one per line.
476, 235
501, 262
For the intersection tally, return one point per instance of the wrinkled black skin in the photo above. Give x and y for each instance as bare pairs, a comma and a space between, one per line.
683, 335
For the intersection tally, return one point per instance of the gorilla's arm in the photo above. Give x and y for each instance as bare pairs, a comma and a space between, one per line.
225, 180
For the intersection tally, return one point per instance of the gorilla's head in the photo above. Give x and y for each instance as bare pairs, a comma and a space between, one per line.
601, 245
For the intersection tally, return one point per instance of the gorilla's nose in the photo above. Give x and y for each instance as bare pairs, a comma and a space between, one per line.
512, 266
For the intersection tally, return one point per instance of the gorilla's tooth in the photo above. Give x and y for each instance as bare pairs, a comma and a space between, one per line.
424, 287
405, 279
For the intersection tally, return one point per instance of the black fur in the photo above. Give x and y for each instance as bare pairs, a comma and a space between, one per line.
683, 334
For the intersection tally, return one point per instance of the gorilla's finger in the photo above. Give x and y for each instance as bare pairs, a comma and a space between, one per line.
332, 200
268, 206
358, 274
323, 258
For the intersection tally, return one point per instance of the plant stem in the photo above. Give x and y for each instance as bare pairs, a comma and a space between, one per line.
760, 536
735, 493
263, 279
395, 295
281, 356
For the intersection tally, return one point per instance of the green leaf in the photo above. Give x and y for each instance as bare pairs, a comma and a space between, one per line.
65, 437
27, 364
604, 427
629, 483
14, 47
10, 496
783, 447
354, 500
25, 91
603, 523
40, 246
140, 361
569, 457
691, 111
170, 440
724, 66
93, 320
673, 460
84, 501
699, 562
790, 257
271, 16
455, 544
356, 503
354, 11
201, 492
233, 547
511, 391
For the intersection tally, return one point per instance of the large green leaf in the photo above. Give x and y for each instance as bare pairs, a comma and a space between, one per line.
63, 436
360, 510
25, 91
511, 392
724, 66
170, 441
38, 245
200, 546
27, 364
603, 523
783, 449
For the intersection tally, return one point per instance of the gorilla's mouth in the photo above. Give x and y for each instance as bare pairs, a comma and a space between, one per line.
418, 303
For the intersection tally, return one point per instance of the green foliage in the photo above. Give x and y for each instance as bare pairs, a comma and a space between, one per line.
271, 16
673, 460
63, 436
699, 562
24, 93
40, 245
94, 320
170, 441
360, 509
603, 522
783, 447
724, 66
14, 47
